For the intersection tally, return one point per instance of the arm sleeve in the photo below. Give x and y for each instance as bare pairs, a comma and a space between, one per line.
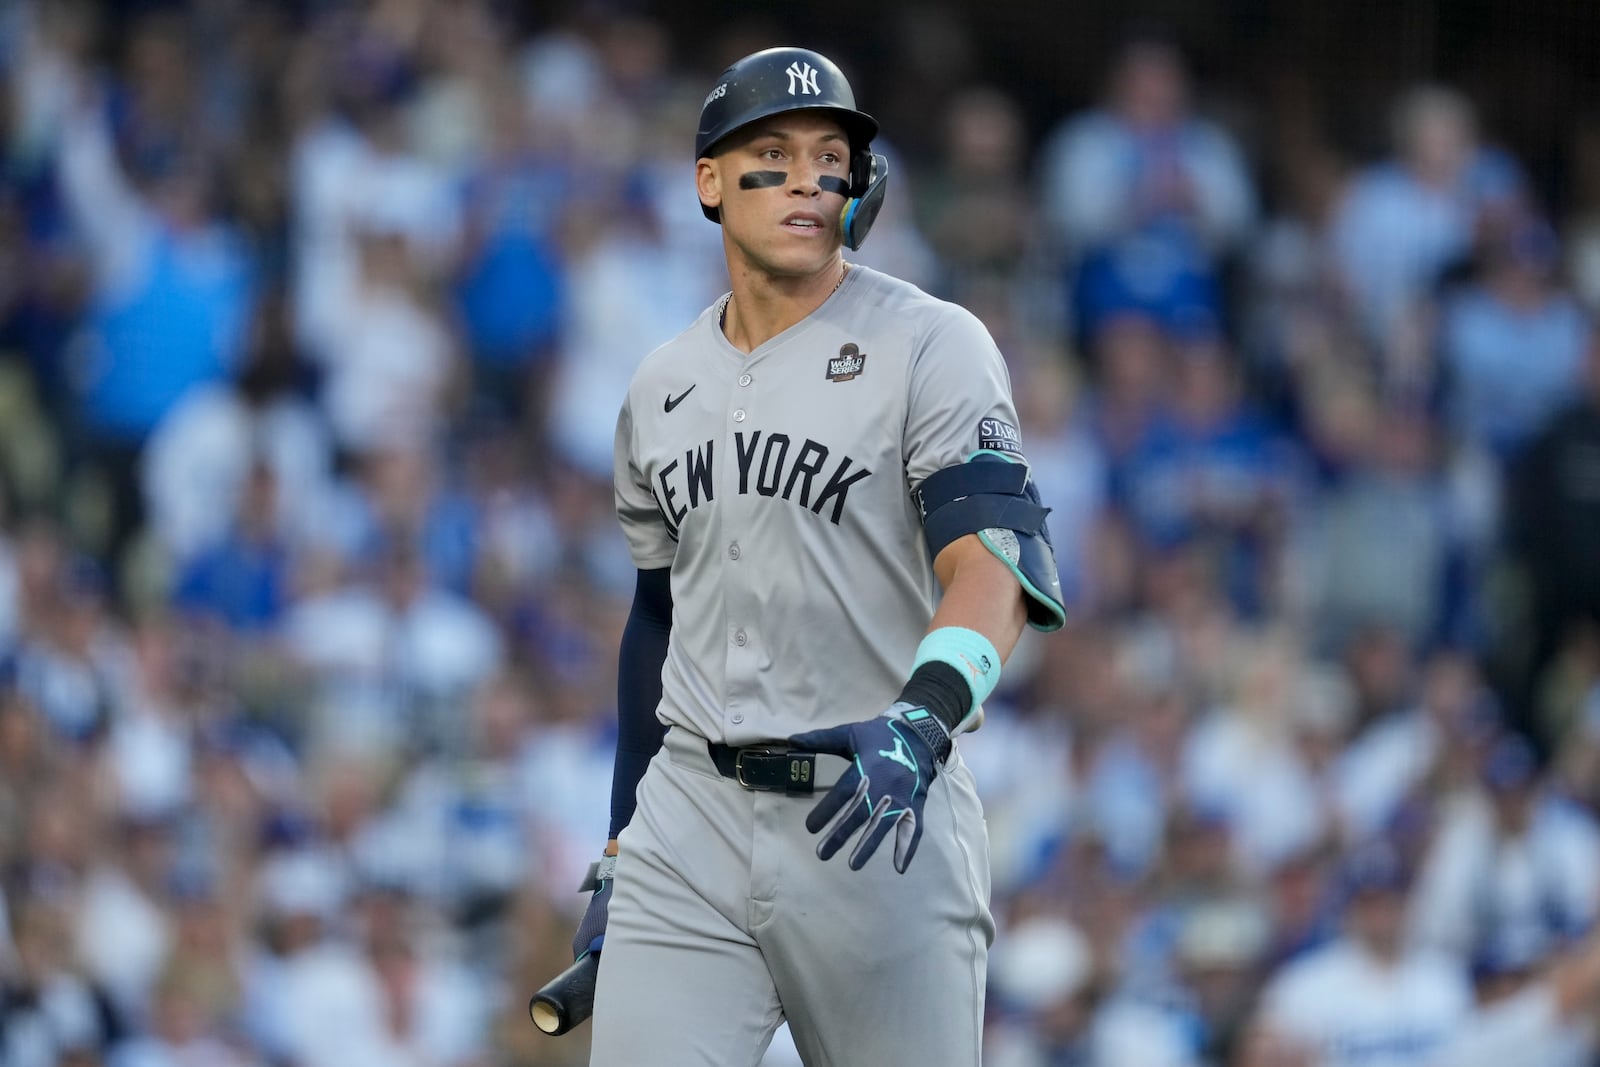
643, 651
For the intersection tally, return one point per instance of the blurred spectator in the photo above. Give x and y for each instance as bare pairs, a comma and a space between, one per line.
389, 660
74, 662
1404, 221
1293, 323
49, 1013
243, 580
1431, 746
1057, 1005
457, 829
44, 278
181, 1032
404, 491
1132, 778
201, 462
1513, 345
1382, 667
511, 287
1553, 520
369, 213
1132, 359
1196, 870
172, 279
975, 205
515, 519
1512, 868
1219, 962
1365, 998
432, 1010
1531, 1009
1212, 474
1297, 898
1254, 756
123, 928
1143, 196
28, 764
310, 997
1379, 543
207, 961
387, 352
171, 695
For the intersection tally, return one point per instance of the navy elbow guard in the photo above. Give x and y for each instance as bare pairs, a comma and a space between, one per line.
993, 496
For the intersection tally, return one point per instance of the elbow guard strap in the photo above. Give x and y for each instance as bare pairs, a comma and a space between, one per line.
993, 496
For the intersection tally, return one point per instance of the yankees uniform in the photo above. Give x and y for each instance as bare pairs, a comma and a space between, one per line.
794, 498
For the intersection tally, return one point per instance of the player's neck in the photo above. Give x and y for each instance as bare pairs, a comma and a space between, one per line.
763, 306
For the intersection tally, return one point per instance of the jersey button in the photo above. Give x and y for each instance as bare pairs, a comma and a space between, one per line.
745, 379
738, 717
738, 416
739, 638
733, 550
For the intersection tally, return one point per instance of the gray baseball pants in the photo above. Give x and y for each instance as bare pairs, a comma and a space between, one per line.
724, 922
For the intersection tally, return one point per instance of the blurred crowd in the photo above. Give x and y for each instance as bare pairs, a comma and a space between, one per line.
314, 322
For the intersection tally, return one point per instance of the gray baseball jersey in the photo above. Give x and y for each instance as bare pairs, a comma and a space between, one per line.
777, 486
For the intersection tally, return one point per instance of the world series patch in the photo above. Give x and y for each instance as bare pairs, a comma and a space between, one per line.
998, 435
847, 364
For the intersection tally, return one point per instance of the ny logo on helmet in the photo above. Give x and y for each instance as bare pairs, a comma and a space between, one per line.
804, 77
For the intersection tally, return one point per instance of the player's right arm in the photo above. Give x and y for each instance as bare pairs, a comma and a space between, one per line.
639, 660
640, 657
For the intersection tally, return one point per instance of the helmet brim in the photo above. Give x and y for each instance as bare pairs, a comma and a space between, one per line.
858, 126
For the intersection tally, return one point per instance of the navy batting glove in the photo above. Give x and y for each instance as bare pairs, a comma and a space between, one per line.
894, 759
591, 933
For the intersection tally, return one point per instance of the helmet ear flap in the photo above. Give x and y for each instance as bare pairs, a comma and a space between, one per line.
869, 174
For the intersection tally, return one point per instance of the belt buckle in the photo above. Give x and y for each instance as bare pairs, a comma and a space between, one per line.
802, 770
738, 763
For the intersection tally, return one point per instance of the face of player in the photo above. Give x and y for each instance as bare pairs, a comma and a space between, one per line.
777, 216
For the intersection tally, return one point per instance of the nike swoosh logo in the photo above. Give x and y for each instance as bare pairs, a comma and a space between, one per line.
674, 401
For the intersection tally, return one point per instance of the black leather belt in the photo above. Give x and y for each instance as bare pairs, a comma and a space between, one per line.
767, 768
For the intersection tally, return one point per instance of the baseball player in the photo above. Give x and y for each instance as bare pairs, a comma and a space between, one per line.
799, 475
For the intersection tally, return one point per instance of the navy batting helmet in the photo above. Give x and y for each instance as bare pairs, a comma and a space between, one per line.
776, 80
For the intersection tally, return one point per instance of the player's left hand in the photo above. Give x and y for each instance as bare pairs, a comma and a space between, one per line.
894, 759
591, 933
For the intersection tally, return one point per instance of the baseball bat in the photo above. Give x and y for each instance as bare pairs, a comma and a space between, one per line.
568, 998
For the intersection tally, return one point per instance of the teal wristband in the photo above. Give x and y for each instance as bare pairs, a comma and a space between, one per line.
972, 655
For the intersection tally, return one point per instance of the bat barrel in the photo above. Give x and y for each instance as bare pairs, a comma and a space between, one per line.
567, 999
